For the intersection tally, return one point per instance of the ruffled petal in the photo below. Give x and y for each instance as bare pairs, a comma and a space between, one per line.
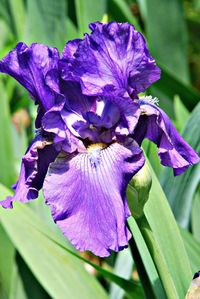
36, 68
87, 195
33, 170
113, 59
76, 101
173, 150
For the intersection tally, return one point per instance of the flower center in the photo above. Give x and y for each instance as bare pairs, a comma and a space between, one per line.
96, 147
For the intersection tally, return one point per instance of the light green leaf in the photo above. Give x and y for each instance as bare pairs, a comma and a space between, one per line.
71, 30
87, 11
180, 190
60, 273
195, 219
17, 11
193, 249
162, 236
58, 262
123, 267
138, 191
181, 113
7, 173
17, 290
169, 47
144, 263
45, 22
7, 259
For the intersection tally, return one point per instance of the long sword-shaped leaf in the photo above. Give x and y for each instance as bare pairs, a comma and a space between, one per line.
120, 11
195, 219
180, 190
170, 86
46, 22
168, 46
165, 244
7, 171
31, 235
87, 11
60, 273
144, 263
193, 249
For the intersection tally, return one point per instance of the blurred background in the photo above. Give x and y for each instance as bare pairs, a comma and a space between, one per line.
32, 265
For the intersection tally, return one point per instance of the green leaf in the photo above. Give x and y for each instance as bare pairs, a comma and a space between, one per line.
144, 263
72, 31
170, 86
193, 249
17, 11
87, 11
7, 176
165, 244
169, 47
151, 152
181, 113
138, 191
45, 22
59, 272
32, 288
123, 267
180, 190
7, 258
195, 219
17, 290
121, 12
26, 229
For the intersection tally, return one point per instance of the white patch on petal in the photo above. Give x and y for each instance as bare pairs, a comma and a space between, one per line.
150, 99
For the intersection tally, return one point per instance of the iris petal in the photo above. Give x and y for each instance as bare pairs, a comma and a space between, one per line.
33, 170
86, 193
173, 150
36, 68
113, 59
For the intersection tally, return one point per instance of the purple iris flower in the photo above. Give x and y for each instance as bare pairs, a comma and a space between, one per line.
91, 124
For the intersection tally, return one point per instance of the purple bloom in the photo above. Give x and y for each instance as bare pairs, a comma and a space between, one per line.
91, 125
113, 59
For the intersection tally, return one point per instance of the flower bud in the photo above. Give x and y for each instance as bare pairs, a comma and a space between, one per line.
138, 191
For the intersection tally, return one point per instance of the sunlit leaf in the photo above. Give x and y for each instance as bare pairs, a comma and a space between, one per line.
164, 242
32, 237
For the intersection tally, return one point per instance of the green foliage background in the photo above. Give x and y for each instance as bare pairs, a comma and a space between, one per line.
36, 261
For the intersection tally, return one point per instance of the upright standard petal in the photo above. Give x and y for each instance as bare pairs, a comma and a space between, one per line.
87, 195
36, 68
173, 150
33, 170
113, 59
